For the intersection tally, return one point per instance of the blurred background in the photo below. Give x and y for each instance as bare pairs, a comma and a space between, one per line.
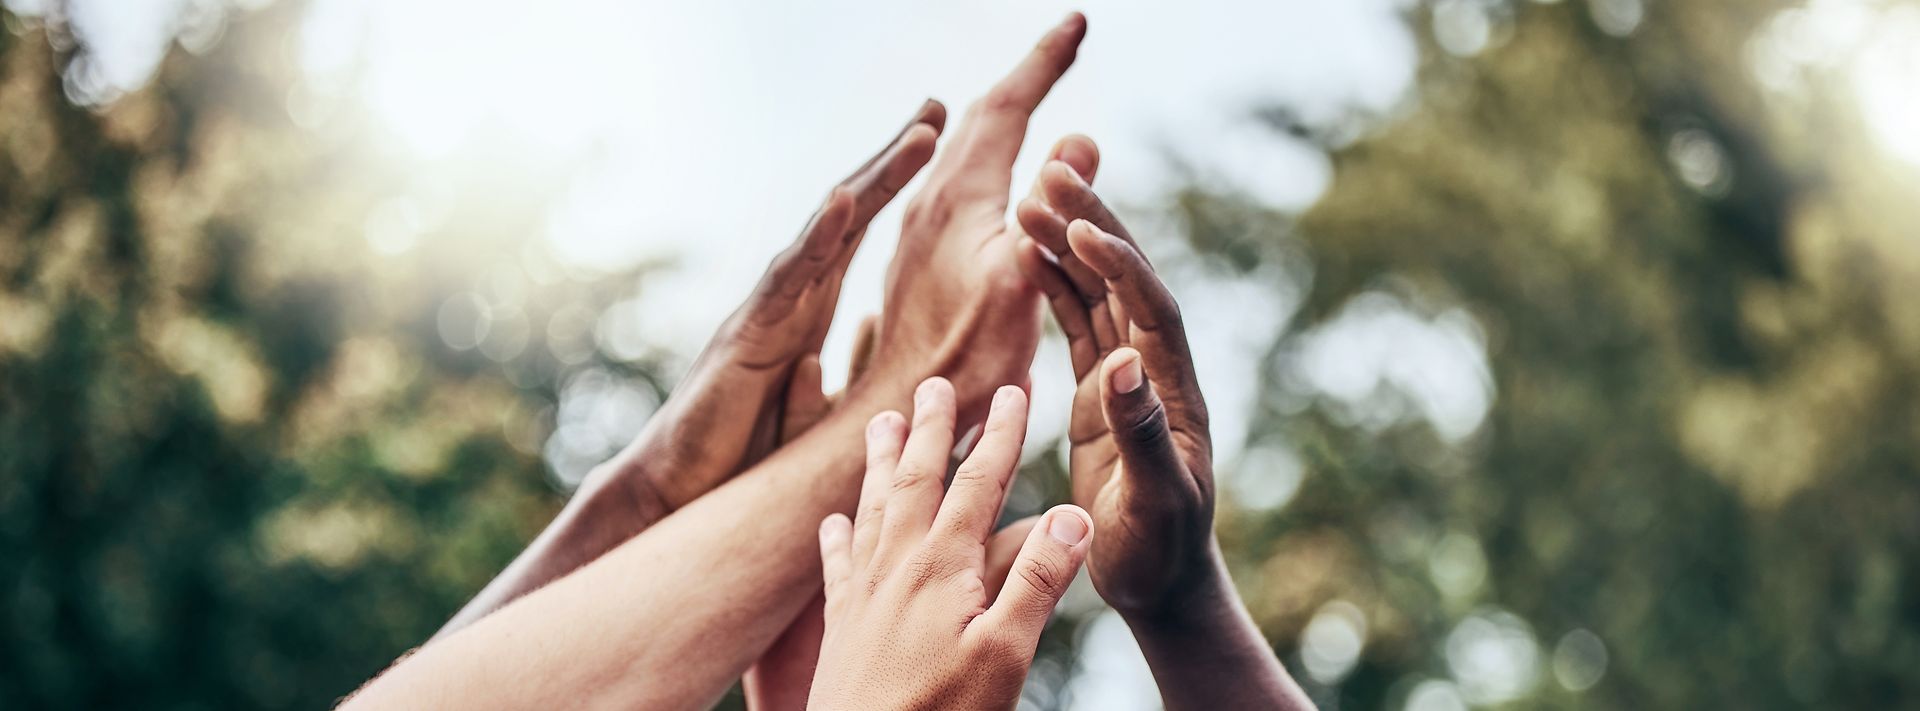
1562, 354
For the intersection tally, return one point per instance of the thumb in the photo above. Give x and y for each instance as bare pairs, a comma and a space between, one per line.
1046, 565
1002, 549
1137, 419
805, 403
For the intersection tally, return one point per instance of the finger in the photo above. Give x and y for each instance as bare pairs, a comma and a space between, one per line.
836, 557
914, 496
806, 404
1047, 228
1081, 156
813, 252
1138, 422
1079, 153
876, 183
1002, 549
886, 435
1157, 329
862, 348
1068, 310
972, 503
1073, 198
1040, 574
981, 157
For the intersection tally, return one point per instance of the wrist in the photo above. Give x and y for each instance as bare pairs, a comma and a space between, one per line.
1200, 603
618, 498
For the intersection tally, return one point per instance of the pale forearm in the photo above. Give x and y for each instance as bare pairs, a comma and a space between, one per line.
665, 620
596, 520
1206, 653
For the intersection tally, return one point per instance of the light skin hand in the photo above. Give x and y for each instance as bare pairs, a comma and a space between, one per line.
783, 676
755, 385
911, 617
1142, 457
956, 304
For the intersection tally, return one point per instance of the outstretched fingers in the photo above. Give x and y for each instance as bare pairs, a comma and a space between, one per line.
981, 157
1157, 329
1069, 310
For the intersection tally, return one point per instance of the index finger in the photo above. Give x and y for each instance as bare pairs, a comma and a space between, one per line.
980, 158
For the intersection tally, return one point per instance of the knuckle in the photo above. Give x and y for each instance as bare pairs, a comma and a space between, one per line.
924, 568
975, 474
1046, 575
931, 208
996, 101
1148, 429
1001, 649
909, 478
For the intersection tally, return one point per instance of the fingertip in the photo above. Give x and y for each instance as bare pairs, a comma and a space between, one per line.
1080, 153
1069, 524
835, 527
933, 392
1122, 370
1009, 398
890, 422
1075, 25
933, 114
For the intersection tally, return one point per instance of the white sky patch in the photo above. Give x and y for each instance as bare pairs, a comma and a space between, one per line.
1381, 363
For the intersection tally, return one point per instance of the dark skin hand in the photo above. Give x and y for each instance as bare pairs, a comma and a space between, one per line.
756, 384
1142, 457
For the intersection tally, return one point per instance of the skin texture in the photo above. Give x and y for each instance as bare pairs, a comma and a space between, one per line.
956, 263
756, 384
912, 620
1142, 458
670, 619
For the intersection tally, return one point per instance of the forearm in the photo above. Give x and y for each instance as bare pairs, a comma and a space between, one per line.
642, 484
665, 620
1206, 653
598, 518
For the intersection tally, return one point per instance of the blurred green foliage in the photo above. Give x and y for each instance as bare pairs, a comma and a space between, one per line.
240, 468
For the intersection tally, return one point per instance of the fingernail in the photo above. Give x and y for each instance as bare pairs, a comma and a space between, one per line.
1002, 398
923, 394
1067, 528
1127, 378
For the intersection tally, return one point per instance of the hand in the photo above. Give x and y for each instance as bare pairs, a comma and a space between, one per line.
732, 407
782, 678
956, 304
1143, 465
757, 383
909, 621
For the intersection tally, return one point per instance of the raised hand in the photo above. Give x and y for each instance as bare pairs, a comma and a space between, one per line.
756, 384
727, 413
1142, 458
956, 304
910, 620
782, 677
